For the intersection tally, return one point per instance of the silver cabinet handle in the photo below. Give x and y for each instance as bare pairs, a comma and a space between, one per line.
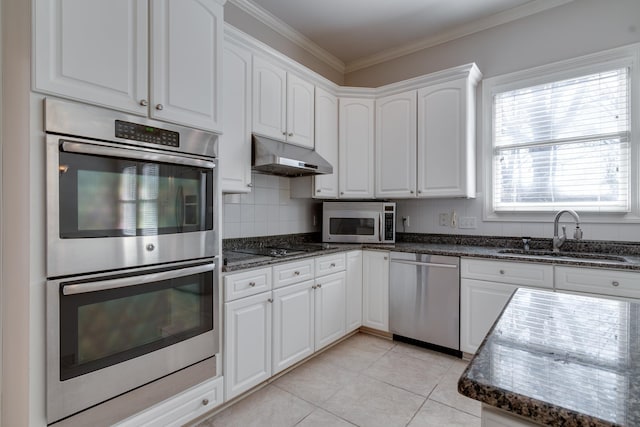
615, 283
205, 402
252, 284
144, 102
123, 282
270, 300
159, 107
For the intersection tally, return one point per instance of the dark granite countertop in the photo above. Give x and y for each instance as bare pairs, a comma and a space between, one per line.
463, 248
561, 359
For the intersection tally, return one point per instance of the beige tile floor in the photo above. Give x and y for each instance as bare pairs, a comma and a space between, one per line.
363, 381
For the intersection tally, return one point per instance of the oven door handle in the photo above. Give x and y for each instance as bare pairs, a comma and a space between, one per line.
137, 154
102, 285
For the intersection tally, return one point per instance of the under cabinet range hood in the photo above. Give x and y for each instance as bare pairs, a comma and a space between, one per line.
279, 158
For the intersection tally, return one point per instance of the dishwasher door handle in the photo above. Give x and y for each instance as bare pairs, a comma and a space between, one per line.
424, 264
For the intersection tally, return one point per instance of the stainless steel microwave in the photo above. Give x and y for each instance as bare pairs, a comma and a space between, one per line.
359, 222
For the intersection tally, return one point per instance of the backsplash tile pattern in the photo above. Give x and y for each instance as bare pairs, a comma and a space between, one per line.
268, 210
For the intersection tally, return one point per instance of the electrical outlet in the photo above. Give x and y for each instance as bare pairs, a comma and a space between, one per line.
443, 219
467, 222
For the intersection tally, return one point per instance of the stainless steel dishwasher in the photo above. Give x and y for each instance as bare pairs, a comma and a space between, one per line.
424, 300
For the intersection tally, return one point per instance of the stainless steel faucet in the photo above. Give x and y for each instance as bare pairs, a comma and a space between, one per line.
558, 241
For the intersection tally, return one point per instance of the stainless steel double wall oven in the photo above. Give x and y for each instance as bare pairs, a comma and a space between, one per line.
132, 253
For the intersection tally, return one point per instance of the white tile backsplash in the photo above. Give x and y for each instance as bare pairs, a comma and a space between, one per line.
268, 210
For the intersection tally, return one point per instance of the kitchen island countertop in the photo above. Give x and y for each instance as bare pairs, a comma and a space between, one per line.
560, 359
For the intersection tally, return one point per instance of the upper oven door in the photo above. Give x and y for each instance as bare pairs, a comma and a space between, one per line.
110, 206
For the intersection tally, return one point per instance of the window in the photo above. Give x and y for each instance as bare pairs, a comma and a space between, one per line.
561, 137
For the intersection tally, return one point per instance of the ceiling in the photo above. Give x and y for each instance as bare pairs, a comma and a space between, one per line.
353, 34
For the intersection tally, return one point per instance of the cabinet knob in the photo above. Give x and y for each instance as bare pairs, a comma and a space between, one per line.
615, 283
501, 271
144, 102
284, 134
419, 191
319, 285
159, 107
411, 191
386, 258
270, 300
205, 402
342, 193
296, 273
249, 185
252, 284
318, 190
314, 287
291, 134
333, 264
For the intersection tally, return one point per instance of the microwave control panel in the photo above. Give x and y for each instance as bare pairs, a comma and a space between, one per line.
389, 219
149, 134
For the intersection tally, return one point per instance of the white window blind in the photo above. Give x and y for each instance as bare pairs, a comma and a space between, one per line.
563, 144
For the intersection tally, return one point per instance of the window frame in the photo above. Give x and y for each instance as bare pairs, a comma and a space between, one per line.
627, 56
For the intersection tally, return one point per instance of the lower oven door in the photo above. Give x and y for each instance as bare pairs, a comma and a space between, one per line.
107, 335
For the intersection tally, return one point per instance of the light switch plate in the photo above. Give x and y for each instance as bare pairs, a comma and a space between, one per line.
467, 222
443, 219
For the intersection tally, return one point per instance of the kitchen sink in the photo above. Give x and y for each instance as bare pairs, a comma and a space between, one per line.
574, 255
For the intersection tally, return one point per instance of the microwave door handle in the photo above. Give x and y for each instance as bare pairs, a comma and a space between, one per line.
123, 282
179, 206
137, 154
380, 227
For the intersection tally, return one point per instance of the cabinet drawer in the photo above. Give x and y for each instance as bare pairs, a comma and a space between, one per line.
240, 285
516, 273
182, 408
597, 281
330, 264
292, 272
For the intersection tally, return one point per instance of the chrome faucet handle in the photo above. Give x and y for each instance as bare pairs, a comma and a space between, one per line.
578, 233
525, 242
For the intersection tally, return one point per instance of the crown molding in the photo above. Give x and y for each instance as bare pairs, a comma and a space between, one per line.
289, 33
523, 11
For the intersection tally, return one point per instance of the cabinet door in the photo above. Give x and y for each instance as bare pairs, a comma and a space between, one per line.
247, 343
186, 58
93, 50
446, 135
480, 305
292, 324
269, 99
235, 141
300, 111
375, 290
355, 145
354, 290
326, 138
330, 313
396, 140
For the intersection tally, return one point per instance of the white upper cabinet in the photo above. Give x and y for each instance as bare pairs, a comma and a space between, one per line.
93, 50
186, 58
446, 138
396, 141
106, 60
326, 186
235, 142
355, 145
283, 104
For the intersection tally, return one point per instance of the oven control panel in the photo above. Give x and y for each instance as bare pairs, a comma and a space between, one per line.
149, 134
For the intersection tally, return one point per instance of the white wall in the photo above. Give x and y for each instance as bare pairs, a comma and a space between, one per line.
268, 210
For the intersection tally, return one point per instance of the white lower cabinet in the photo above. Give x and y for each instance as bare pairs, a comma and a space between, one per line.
180, 409
354, 290
598, 282
247, 343
492, 417
330, 314
375, 290
485, 288
293, 324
